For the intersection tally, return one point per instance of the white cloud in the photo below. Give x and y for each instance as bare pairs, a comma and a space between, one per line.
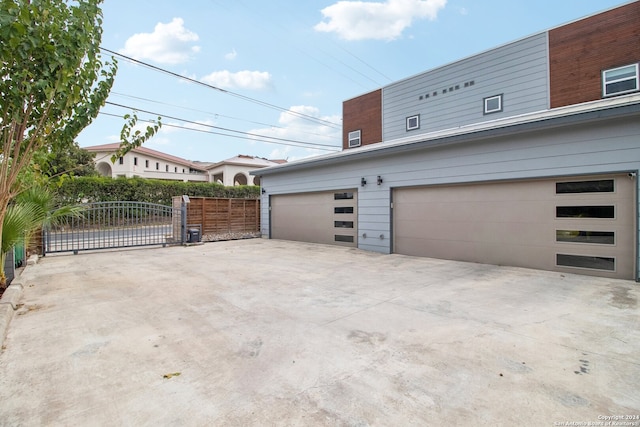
168, 44
231, 55
241, 79
296, 128
359, 20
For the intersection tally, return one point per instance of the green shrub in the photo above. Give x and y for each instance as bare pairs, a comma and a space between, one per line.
103, 189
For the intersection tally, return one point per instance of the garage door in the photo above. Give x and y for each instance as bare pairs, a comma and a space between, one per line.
327, 217
583, 225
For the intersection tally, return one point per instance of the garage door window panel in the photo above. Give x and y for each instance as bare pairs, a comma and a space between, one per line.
600, 186
343, 210
585, 212
583, 236
585, 261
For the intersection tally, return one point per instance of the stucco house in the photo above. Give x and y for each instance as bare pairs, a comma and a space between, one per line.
144, 162
523, 155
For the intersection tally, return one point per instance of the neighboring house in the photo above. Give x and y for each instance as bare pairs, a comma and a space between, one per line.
524, 155
144, 162
235, 171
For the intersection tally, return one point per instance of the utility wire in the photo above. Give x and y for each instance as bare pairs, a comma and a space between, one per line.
227, 92
216, 115
246, 135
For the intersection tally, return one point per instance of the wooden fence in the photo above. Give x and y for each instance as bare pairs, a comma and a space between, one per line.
214, 215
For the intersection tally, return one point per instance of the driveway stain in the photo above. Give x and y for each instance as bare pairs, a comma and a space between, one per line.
622, 299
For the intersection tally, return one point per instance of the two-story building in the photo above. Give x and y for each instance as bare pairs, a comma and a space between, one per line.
523, 155
143, 162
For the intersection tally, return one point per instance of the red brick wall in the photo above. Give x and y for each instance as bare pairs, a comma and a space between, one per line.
580, 51
363, 113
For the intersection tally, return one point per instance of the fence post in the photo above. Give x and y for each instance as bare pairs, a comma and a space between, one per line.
183, 221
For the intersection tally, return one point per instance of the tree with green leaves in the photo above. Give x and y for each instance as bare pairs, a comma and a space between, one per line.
53, 83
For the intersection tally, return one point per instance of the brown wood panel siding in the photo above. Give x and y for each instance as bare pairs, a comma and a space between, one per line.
363, 113
580, 51
215, 215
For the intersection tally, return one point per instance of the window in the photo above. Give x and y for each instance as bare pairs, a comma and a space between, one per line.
617, 81
157, 166
585, 212
121, 160
146, 163
342, 196
343, 210
135, 161
583, 236
343, 224
602, 186
166, 168
175, 169
582, 261
339, 238
413, 122
493, 104
354, 138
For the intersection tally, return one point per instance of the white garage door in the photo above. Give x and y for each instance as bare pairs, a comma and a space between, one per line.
583, 225
327, 217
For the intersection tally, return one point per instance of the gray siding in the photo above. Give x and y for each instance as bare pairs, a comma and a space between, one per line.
518, 70
600, 147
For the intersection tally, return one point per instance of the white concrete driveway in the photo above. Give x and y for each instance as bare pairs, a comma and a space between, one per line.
267, 332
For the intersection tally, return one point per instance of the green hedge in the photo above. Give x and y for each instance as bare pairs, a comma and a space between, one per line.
101, 189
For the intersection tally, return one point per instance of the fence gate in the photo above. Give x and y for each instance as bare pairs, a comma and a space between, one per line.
107, 225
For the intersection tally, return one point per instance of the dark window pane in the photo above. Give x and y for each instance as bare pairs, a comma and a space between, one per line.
343, 210
343, 224
340, 238
602, 186
582, 261
342, 196
622, 86
584, 211
580, 236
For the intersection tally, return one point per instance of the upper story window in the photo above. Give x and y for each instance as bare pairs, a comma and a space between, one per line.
354, 138
413, 122
617, 81
492, 104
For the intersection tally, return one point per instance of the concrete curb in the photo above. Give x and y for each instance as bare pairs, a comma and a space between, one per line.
9, 302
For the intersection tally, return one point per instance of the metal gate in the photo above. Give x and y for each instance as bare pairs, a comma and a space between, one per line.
107, 225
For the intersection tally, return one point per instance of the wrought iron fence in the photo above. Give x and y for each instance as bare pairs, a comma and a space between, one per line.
106, 225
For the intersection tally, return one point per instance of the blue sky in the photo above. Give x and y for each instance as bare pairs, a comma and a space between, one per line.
268, 79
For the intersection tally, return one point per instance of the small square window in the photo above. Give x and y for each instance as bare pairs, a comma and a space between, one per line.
493, 104
413, 122
620, 80
354, 138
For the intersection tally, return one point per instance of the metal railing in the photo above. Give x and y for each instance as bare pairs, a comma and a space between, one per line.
108, 225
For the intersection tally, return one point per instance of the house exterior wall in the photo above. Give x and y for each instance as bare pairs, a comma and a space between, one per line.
586, 149
129, 169
229, 172
581, 50
452, 96
363, 113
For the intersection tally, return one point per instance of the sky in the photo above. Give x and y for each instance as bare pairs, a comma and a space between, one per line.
268, 78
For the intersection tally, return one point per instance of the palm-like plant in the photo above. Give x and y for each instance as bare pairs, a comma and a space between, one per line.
29, 212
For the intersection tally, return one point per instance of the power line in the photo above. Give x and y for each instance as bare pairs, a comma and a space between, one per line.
241, 135
227, 92
216, 115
